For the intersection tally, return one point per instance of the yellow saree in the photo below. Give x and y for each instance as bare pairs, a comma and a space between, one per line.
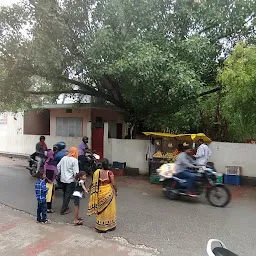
50, 194
103, 204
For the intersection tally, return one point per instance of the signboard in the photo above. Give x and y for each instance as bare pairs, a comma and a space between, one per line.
3, 119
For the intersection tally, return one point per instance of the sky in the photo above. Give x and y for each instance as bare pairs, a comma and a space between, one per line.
6, 2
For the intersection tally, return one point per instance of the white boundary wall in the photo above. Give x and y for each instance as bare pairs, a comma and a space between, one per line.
133, 152
234, 154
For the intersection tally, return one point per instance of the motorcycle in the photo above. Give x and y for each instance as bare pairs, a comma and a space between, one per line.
218, 251
91, 164
217, 194
32, 164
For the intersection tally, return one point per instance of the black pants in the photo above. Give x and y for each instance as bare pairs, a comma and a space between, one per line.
68, 190
49, 205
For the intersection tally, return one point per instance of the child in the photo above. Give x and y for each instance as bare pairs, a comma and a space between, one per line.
41, 192
78, 193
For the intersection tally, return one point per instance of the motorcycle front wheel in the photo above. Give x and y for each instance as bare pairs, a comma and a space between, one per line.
218, 196
33, 171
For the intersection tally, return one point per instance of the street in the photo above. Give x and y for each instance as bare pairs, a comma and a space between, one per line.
147, 218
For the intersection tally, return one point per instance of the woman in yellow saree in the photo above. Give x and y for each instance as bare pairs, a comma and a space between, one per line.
102, 202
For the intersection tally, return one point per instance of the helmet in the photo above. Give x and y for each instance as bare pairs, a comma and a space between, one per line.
42, 138
60, 145
55, 148
85, 139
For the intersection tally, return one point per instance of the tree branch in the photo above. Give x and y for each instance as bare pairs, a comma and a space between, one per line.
209, 92
94, 92
53, 92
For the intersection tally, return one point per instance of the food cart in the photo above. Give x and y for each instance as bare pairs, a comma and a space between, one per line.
167, 144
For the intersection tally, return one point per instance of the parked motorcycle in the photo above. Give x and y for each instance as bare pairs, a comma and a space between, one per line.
217, 194
32, 164
218, 250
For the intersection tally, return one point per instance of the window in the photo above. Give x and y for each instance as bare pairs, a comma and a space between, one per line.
69, 127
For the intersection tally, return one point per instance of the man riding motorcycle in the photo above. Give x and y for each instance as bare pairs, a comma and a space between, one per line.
83, 149
184, 168
41, 148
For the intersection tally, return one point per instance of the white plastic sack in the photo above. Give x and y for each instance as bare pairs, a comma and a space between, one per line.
166, 170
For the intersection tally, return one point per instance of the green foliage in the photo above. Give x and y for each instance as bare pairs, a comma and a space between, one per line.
239, 80
150, 57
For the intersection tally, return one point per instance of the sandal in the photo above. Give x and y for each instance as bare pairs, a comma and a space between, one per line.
79, 223
66, 212
80, 218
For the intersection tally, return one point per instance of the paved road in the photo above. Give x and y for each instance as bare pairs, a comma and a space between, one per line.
145, 217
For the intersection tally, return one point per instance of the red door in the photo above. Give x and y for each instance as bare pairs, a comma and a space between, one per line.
98, 140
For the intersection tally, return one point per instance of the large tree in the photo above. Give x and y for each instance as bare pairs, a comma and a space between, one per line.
152, 58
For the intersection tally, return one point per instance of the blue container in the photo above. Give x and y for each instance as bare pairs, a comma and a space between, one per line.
232, 179
118, 165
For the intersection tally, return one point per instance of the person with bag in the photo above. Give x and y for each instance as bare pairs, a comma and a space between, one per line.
102, 202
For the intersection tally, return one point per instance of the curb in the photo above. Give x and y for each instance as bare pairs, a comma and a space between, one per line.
11, 155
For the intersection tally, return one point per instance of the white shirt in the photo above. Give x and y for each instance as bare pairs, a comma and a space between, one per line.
68, 168
151, 150
202, 155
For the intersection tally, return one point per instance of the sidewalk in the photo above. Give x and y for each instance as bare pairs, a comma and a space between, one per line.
20, 235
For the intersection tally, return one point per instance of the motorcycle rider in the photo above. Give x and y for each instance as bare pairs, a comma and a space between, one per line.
83, 149
59, 151
184, 166
41, 147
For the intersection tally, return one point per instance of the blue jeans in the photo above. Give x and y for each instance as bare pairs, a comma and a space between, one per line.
41, 211
190, 176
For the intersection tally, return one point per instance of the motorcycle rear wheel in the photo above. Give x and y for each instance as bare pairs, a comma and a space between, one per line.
215, 193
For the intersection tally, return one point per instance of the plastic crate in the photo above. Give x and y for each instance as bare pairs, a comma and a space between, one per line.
232, 179
155, 179
119, 165
219, 178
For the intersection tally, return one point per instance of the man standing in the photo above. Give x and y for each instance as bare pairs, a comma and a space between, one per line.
151, 150
40, 152
68, 168
203, 153
83, 148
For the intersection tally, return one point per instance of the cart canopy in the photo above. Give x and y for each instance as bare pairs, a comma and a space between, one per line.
181, 137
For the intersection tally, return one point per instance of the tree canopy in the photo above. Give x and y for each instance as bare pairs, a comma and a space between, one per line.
239, 92
152, 58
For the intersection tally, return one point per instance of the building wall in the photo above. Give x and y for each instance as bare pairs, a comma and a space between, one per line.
80, 113
13, 140
37, 122
110, 116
